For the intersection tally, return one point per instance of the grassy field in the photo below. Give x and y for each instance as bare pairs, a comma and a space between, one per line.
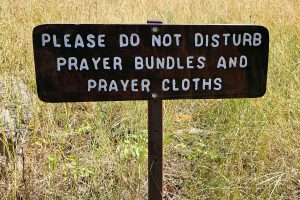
214, 149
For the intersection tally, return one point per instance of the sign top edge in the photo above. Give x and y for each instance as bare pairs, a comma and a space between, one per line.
136, 24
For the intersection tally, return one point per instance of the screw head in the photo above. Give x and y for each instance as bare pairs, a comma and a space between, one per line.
154, 95
154, 29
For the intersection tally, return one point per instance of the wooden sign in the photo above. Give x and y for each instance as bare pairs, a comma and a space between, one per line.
76, 63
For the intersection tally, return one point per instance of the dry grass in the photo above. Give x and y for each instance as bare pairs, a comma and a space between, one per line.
214, 149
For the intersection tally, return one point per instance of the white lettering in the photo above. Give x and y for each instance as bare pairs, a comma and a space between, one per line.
206, 83
160, 63
102, 85
91, 84
221, 63
78, 41
243, 61
83, 65
123, 39
45, 39
105, 63
101, 40
215, 40
201, 64
185, 84
113, 86
196, 81
198, 40
189, 62
72, 62
55, 44
174, 85
226, 36
91, 41
167, 40
236, 39
218, 84
145, 85
117, 63
164, 87
170, 62
177, 37
134, 85
134, 40
96, 62
232, 62
138, 63
66, 40
257, 39
124, 84
247, 39
60, 61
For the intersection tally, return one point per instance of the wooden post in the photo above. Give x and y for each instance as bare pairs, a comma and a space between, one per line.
155, 144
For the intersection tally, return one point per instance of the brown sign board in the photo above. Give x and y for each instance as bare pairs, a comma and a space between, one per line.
92, 62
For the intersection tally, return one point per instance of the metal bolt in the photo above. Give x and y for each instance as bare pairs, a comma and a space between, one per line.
154, 95
154, 29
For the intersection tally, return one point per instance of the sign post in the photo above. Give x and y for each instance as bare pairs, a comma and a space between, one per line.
154, 61
155, 149
155, 144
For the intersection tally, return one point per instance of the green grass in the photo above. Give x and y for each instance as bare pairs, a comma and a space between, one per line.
214, 149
